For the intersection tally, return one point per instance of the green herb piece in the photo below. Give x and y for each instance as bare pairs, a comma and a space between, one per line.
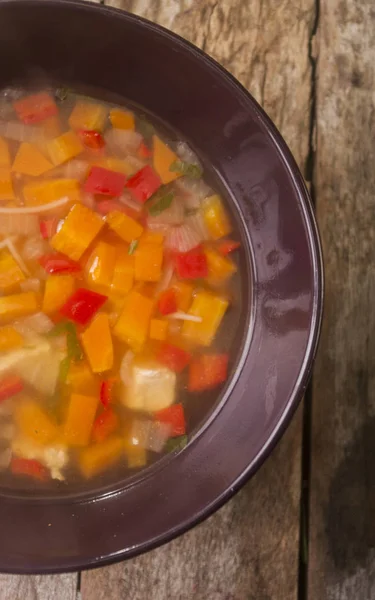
64, 369
145, 128
62, 93
133, 246
161, 204
72, 342
175, 444
188, 169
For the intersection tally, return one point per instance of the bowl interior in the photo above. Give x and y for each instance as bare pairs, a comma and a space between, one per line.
83, 44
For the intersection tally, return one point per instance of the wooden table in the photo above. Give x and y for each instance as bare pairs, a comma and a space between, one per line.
304, 526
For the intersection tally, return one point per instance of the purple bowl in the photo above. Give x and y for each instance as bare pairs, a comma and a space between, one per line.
281, 265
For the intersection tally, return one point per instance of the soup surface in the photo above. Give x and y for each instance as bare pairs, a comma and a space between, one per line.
117, 276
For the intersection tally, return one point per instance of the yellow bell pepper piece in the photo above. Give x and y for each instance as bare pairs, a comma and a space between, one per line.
87, 115
9, 339
184, 295
4, 153
158, 329
126, 228
58, 289
148, 262
215, 217
101, 264
97, 344
163, 158
10, 271
6, 184
211, 309
80, 377
123, 273
220, 268
18, 305
43, 192
80, 418
133, 324
116, 164
30, 161
64, 147
122, 119
151, 237
79, 229
98, 457
34, 423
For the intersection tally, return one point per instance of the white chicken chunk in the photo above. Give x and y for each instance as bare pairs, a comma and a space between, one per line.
54, 458
151, 387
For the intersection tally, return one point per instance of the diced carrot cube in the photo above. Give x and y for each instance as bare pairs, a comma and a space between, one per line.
98, 457
87, 115
215, 217
4, 153
101, 264
79, 229
81, 378
6, 184
51, 127
184, 295
10, 338
58, 289
148, 262
34, 423
64, 147
121, 119
133, 324
30, 161
44, 192
126, 228
97, 344
163, 158
151, 237
158, 329
123, 274
211, 309
18, 305
80, 418
10, 271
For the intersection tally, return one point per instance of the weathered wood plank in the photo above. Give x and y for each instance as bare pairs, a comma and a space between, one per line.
342, 558
60, 587
249, 550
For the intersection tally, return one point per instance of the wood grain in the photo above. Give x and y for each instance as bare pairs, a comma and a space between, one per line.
51, 587
249, 549
342, 533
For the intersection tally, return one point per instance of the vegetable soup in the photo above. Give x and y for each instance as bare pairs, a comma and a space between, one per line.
118, 276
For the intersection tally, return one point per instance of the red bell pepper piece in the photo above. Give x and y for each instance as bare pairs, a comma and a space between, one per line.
91, 139
227, 246
48, 227
104, 181
28, 467
144, 184
144, 151
57, 263
82, 306
207, 372
106, 388
10, 386
35, 108
175, 417
173, 357
192, 264
167, 302
105, 424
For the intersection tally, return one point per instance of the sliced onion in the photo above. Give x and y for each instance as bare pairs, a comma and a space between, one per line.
193, 191
9, 210
30, 285
165, 279
20, 132
123, 141
150, 435
33, 248
159, 228
125, 367
135, 162
173, 215
196, 222
127, 200
7, 430
8, 243
186, 154
18, 224
88, 200
5, 458
38, 323
76, 169
183, 238
181, 316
